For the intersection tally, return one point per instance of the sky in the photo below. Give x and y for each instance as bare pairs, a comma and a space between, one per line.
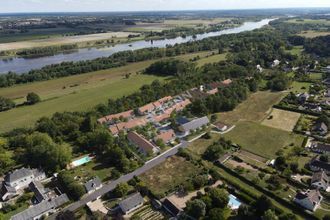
9, 6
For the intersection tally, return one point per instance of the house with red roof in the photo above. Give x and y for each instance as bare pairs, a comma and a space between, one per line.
167, 136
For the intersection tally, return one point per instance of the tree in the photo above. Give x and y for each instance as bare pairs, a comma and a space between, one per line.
326, 217
220, 197
67, 215
200, 181
269, 215
196, 208
6, 104
262, 205
121, 190
219, 214
71, 186
213, 152
32, 98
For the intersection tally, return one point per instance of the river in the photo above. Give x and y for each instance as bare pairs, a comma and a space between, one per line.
21, 65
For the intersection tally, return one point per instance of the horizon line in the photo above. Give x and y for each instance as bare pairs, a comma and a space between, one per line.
183, 10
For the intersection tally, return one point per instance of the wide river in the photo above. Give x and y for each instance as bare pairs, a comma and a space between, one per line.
21, 65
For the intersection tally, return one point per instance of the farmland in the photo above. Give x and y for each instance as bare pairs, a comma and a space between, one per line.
256, 138
312, 34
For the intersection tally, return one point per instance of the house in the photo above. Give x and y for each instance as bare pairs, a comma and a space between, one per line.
320, 180
40, 193
317, 165
93, 185
259, 68
167, 136
109, 118
320, 147
310, 199
43, 208
321, 128
132, 203
145, 146
220, 126
194, 125
7, 192
302, 98
21, 178
172, 208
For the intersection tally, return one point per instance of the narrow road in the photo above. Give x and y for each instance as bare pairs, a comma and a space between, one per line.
107, 187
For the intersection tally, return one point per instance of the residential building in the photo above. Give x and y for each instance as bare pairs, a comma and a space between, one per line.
310, 199
132, 203
302, 98
21, 178
40, 193
220, 126
320, 180
317, 165
194, 125
321, 128
112, 117
318, 147
172, 208
145, 146
43, 208
93, 185
7, 192
276, 63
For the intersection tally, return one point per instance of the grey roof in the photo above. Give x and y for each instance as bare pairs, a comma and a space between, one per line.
131, 202
313, 196
320, 176
321, 147
18, 174
194, 124
41, 208
93, 184
39, 190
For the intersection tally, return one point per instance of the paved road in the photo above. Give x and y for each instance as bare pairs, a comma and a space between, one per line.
112, 185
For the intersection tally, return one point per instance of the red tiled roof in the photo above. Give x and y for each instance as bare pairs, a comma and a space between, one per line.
213, 91
227, 82
107, 118
147, 108
141, 142
166, 136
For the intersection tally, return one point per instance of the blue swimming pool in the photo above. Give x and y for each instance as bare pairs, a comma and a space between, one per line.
234, 203
81, 161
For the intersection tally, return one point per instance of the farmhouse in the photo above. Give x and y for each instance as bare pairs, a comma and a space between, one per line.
194, 125
93, 185
131, 203
320, 180
310, 199
145, 146
42, 209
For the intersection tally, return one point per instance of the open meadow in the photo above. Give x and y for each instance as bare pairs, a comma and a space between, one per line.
262, 140
281, 119
255, 108
312, 34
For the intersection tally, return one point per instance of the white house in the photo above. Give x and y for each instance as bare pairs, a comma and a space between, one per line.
276, 63
310, 199
21, 178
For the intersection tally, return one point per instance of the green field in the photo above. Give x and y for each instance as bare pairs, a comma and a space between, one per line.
262, 140
211, 59
296, 50
309, 21
300, 87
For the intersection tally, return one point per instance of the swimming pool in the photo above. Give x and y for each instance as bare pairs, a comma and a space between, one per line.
81, 161
234, 203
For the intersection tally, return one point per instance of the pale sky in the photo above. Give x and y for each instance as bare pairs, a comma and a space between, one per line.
8, 6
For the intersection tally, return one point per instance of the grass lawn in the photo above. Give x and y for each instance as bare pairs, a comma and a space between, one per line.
300, 87
315, 76
284, 120
199, 146
262, 140
211, 59
253, 109
165, 177
93, 169
296, 50
8, 215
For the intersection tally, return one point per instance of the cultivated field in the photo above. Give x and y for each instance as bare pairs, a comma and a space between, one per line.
253, 109
62, 40
168, 175
284, 120
262, 140
312, 34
